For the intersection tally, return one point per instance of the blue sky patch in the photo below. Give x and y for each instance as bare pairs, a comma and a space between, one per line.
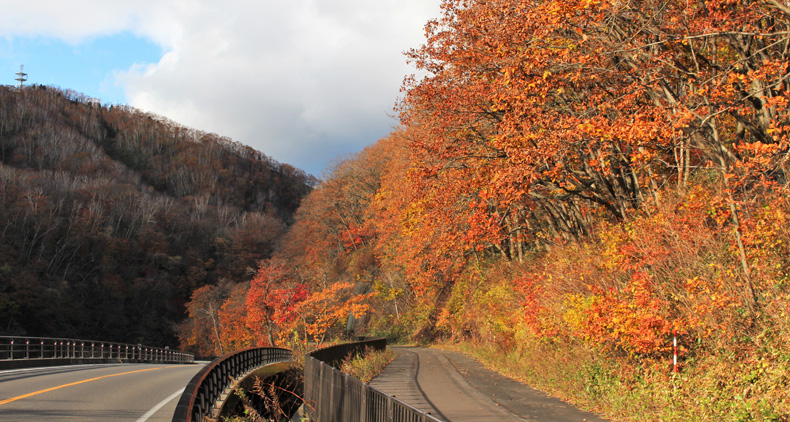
86, 67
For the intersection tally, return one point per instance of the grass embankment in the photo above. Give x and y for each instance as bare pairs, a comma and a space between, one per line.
366, 366
721, 387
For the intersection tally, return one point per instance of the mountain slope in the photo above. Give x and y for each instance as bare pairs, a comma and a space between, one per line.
111, 217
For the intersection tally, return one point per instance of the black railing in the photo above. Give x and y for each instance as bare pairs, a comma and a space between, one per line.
333, 396
335, 355
41, 351
214, 382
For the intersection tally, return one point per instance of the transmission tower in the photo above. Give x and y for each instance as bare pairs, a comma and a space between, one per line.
21, 76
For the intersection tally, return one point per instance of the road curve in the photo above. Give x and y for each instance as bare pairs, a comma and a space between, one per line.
115, 392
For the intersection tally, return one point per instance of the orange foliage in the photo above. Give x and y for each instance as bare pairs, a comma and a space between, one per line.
325, 309
602, 172
203, 331
273, 302
235, 334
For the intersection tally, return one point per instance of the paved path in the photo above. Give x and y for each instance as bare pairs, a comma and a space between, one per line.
455, 388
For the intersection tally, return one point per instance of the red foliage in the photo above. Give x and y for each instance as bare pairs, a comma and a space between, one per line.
273, 302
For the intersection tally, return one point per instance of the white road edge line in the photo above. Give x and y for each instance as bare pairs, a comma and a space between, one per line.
162, 404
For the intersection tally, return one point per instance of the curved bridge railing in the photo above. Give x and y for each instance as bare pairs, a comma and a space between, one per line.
333, 396
214, 382
21, 352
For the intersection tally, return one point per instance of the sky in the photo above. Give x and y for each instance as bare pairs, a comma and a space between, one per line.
307, 82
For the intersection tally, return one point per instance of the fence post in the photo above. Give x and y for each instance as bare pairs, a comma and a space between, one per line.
390, 410
345, 411
323, 402
363, 404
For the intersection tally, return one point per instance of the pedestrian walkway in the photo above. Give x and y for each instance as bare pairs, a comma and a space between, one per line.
455, 388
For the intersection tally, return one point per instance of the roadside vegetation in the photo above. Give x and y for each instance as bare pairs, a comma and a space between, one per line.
574, 185
367, 365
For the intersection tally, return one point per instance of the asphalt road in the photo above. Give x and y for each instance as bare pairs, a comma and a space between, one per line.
116, 392
454, 388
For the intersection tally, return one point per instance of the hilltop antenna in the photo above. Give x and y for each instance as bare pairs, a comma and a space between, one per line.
21, 76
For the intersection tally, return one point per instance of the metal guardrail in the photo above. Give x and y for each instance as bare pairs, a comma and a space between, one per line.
333, 396
214, 381
41, 351
335, 355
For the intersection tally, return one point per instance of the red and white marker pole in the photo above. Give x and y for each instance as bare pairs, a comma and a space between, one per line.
675, 350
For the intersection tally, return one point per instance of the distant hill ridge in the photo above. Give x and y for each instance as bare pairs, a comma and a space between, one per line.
110, 217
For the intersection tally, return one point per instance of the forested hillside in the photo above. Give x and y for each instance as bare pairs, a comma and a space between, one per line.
110, 217
574, 185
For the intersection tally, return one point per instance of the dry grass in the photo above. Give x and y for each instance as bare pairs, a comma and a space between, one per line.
726, 386
366, 366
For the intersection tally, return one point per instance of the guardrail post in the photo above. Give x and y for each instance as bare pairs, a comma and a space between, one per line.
11, 350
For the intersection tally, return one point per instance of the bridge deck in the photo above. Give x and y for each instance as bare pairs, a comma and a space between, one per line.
456, 388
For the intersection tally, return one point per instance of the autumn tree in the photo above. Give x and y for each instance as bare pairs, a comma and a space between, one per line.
203, 331
273, 301
537, 118
325, 312
235, 334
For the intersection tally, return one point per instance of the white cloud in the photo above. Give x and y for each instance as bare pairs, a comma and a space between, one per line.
301, 80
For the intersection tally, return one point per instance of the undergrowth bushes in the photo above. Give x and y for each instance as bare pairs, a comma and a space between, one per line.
716, 387
367, 365
594, 321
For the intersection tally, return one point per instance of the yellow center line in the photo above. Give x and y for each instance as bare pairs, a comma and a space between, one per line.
24, 396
